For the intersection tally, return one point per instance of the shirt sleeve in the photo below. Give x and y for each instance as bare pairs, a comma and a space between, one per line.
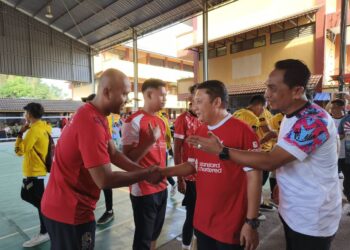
130, 133
306, 135
22, 146
93, 139
180, 129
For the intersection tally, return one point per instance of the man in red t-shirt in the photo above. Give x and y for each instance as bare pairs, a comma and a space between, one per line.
143, 140
186, 125
228, 195
82, 167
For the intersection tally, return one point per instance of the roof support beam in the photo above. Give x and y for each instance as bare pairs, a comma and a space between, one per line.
115, 19
205, 40
92, 15
343, 19
18, 3
293, 22
41, 8
134, 25
65, 12
136, 69
310, 18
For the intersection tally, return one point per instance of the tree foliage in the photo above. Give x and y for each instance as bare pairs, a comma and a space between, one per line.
26, 87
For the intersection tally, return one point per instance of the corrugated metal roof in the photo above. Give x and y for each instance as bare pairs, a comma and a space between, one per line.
104, 23
50, 106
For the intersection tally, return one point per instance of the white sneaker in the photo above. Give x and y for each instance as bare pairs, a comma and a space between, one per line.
184, 247
173, 190
341, 176
261, 217
36, 240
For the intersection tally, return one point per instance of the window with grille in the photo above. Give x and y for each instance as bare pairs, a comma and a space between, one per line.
290, 34
156, 62
277, 37
211, 53
188, 68
222, 51
248, 44
173, 65
307, 30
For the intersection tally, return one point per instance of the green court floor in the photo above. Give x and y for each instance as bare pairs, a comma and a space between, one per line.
19, 220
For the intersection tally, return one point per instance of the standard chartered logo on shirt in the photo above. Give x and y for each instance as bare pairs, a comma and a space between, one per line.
208, 167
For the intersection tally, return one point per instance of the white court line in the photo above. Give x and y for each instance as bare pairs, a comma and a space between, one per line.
13, 234
125, 221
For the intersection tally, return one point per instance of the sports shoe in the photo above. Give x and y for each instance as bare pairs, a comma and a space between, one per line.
105, 218
273, 204
184, 247
341, 175
261, 217
36, 240
266, 207
173, 190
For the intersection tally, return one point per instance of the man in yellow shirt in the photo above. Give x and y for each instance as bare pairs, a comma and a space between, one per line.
257, 117
34, 148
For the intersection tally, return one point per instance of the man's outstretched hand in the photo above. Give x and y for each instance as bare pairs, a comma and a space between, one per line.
154, 175
210, 144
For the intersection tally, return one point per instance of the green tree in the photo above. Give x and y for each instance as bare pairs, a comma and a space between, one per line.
26, 87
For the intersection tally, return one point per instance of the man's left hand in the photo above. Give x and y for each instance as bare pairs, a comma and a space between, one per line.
211, 144
249, 237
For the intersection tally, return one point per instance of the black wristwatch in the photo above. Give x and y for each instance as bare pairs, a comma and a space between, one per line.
254, 223
224, 154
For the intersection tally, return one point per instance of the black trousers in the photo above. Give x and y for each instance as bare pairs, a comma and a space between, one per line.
170, 179
71, 237
32, 192
149, 214
298, 241
265, 177
345, 168
204, 242
189, 202
108, 193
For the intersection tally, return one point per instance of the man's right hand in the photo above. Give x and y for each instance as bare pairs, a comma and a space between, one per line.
181, 185
155, 132
154, 175
24, 128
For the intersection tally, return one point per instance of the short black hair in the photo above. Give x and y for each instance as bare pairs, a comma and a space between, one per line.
214, 89
338, 102
152, 83
88, 98
257, 99
36, 110
296, 72
193, 88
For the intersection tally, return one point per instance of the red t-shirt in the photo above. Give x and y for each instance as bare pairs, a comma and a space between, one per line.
71, 193
134, 130
186, 125
221, 186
